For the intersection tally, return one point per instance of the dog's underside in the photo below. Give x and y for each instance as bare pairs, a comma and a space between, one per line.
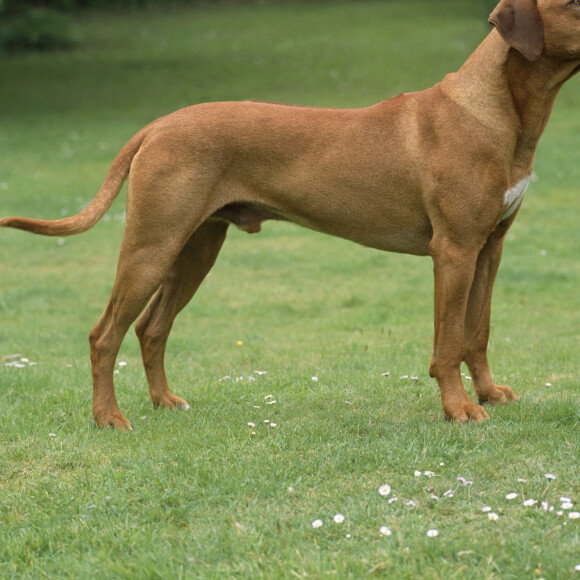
441, 172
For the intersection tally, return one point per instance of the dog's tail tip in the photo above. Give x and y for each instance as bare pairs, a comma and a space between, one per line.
62, 227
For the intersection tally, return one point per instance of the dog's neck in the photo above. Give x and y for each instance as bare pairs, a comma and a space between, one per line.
503, 90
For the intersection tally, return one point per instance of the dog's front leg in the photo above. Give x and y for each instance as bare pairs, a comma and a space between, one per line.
477, 323
454, 269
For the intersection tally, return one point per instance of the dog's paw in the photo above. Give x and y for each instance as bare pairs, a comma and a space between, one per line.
467, 412
114, 419
497, 395
172, 402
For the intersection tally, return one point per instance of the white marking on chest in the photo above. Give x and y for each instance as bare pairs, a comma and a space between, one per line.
513, 197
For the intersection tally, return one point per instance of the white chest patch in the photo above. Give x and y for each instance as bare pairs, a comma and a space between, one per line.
513, 197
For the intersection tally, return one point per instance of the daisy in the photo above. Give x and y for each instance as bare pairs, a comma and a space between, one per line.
317, 523
385, 531
432, 533
493, 516
512, 495
574, 515
530, 502
339, 518
385, 490
486, 508
549, 476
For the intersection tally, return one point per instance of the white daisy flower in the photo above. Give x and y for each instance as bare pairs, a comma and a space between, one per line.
512, 495
432, 533
549, 476
385, 531
385, 490
486, 508
317, 523
493, 516
530, 502
339, 518
574, 515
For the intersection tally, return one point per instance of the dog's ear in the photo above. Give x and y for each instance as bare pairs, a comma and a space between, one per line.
520, 26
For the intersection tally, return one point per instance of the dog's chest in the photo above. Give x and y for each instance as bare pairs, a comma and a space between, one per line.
513, 197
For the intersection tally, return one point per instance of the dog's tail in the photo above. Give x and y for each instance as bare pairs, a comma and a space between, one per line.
89, 216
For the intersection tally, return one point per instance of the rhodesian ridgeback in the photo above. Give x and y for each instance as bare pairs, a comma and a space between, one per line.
441, 172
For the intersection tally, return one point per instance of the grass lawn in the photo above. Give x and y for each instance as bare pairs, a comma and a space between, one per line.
202, 494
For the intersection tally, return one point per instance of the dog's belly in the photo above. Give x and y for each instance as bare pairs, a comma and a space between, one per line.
408, 237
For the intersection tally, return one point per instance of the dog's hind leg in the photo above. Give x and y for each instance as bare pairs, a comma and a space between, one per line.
147, 255
182, 281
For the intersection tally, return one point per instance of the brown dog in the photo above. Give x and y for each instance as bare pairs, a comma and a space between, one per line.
440, 172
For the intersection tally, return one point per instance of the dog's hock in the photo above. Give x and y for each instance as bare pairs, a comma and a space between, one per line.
520, 26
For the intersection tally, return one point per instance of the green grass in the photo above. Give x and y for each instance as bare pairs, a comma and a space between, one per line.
196, 495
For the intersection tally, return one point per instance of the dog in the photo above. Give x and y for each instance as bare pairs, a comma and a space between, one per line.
439, 173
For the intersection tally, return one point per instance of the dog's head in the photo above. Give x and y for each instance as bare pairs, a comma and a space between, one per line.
536, 27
